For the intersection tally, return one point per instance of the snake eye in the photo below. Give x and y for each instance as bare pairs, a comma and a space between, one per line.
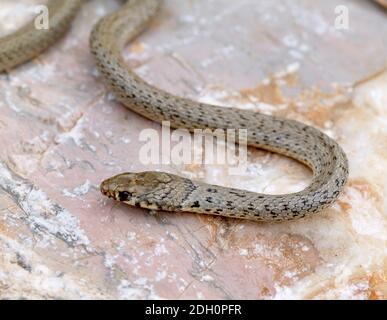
123, 195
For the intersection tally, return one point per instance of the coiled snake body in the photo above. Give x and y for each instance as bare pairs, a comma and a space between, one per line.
164, 191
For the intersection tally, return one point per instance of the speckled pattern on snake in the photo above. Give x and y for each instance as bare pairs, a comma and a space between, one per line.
164, 191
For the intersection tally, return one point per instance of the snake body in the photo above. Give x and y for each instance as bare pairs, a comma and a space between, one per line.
163, 191
28, 42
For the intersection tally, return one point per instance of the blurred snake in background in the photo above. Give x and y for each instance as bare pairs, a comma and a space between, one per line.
163, 191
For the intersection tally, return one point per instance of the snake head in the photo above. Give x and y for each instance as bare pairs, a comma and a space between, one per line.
133, 188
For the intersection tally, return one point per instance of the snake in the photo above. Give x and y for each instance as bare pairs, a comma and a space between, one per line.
28, 42
157, 190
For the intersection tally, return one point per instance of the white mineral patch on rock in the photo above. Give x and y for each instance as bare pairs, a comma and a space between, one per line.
41, 213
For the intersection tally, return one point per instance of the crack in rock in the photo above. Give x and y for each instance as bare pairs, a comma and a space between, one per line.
41, 213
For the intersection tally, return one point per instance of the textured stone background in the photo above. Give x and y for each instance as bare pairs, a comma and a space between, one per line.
62, 133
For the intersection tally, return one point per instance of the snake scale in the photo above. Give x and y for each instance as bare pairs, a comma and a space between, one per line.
163, 191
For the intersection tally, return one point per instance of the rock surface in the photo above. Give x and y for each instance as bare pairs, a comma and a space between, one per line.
62, 133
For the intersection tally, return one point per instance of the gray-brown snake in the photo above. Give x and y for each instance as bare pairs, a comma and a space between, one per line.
164, 191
